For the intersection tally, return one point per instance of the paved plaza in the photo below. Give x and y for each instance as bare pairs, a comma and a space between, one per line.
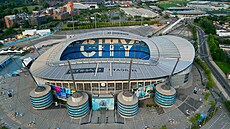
186, 105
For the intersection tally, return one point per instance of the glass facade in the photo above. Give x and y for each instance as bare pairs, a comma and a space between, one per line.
78, 111
43, 101
106, 87
164, 100
127, 110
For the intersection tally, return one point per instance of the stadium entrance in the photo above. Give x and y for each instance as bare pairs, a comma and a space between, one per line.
102, 102
103, 109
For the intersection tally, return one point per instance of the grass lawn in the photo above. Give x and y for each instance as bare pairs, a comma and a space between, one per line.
30, 8
171, 3
225, 67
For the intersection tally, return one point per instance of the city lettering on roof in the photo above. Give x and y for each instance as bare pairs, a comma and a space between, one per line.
86, 70
126, 45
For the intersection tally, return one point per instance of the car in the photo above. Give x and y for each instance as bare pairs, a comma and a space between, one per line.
15, 74
149, 36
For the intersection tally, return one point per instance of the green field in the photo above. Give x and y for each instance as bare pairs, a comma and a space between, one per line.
225, 67
171, 3
30, 8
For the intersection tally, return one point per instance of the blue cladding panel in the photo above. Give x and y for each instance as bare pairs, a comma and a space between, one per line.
138, 50
127, 111
42, 102
78, 111
164, 99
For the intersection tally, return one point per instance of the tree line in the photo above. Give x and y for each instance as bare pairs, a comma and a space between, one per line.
217, 53
206, 23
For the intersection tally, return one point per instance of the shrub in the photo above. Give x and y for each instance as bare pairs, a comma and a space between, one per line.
206, 96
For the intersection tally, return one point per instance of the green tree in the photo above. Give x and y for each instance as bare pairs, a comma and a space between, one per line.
9, 31
45, 5
1, 23
207, 24
36, 8
26, 24
15, 11
206, 96
212, 103
25, 9
227, 104
195, 119
163, 127
4, 127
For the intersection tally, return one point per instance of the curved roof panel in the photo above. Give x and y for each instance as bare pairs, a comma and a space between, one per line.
164, 51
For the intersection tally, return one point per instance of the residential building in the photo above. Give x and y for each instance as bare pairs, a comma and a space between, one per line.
37, 20
10, 20
62, 16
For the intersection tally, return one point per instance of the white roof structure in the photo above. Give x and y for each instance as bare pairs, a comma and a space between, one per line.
29, 32
43, 32
4, 58
164, 52
139, 12
26, 61
10, 51
80, 6
222, 33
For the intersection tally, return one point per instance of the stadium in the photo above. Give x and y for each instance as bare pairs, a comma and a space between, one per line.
100, 62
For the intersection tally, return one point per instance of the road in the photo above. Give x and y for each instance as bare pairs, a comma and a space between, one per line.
204, 51
221, 120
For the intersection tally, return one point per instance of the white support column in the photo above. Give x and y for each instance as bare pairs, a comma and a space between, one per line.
111, 69
95, 74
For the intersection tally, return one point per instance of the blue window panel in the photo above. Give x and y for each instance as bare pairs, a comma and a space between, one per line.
41, 102
124, 106
40, 98
79, 115
42, 105
137, 51
77, 107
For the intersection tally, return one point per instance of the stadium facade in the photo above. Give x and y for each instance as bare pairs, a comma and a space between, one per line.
100, 62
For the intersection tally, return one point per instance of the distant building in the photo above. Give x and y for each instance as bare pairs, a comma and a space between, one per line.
10, 20
139, 12
207, 5
62, 16
56, 12
37, 20
43, 32
69, 7
126, 3
49, 11
222, 33
85, 5
29, 32
74, 12
36, 32
64, 9
36, 12
199, 4
176, 9
185, 12
155, 8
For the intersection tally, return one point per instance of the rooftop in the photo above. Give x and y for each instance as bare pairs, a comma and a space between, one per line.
139, 12
164, 51
3, 58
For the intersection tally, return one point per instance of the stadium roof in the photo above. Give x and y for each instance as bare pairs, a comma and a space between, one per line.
164, 51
